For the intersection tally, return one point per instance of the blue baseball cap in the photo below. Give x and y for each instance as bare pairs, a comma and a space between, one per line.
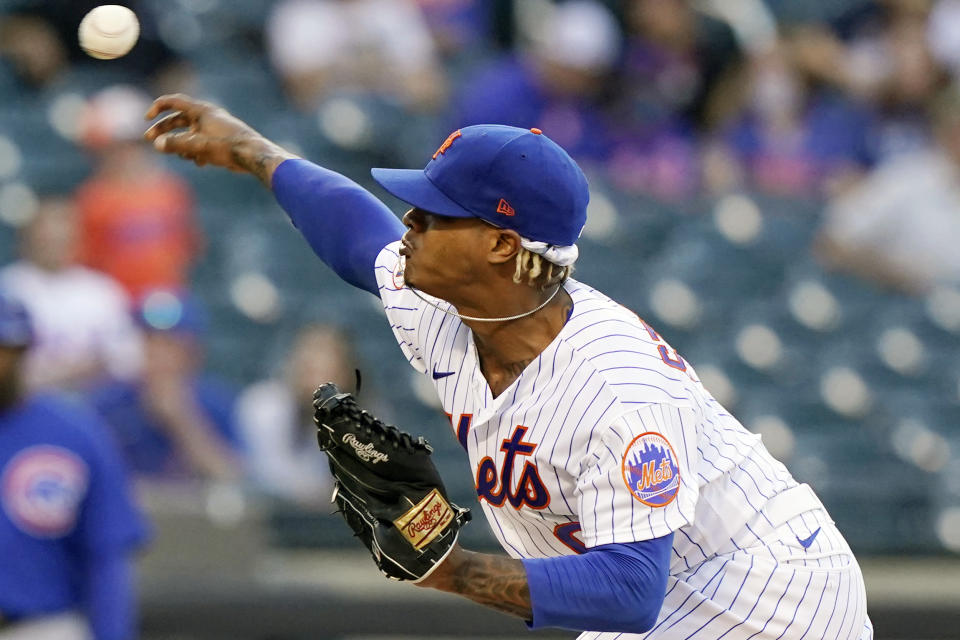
16, 328
510, 177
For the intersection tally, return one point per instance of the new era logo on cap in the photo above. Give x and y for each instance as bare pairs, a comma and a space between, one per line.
504, 207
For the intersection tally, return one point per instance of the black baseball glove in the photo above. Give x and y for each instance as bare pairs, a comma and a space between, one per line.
386, 487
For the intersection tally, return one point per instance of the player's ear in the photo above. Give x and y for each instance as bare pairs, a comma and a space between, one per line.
504, 246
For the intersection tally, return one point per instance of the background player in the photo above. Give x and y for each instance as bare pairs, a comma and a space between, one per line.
67, 523
638, 506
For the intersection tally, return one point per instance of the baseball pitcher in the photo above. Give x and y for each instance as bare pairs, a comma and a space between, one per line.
630, 503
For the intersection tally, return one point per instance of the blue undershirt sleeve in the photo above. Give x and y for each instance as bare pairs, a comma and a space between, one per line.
612, 587
345, 225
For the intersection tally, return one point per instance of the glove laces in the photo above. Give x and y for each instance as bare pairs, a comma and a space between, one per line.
388, 434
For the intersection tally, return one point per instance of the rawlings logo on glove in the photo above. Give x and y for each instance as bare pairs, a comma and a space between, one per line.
365, 452
422, 524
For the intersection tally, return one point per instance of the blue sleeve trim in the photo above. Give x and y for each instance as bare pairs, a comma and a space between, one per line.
613, 587
345, 225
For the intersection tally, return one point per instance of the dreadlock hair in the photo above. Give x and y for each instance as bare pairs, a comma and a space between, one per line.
538, 271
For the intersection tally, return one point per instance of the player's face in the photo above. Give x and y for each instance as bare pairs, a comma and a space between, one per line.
443, 254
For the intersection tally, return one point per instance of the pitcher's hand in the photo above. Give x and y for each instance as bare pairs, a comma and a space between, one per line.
207, 134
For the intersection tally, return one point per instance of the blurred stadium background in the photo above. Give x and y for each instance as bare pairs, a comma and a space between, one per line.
853, 383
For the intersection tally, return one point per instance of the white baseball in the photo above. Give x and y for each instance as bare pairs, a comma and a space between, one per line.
109, 31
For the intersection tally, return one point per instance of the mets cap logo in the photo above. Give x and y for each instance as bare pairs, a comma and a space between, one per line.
650, 470
447, 143
42, 488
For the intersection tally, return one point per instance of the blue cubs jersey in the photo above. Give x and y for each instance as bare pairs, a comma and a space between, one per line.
64, 496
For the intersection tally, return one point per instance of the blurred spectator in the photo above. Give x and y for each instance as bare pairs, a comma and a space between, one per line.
558, 85
880, 53
901, 225
40, 38
34, 48
792, 137
675, 60
276, 417
136, 218
174, 421
457, 25
68, 525
381, 47
890, 64
943, 32
81, 317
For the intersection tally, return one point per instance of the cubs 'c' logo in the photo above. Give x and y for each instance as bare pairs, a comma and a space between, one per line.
497, 488
650, 470
42, 488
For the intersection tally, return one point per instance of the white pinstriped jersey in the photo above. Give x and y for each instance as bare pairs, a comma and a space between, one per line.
609, 437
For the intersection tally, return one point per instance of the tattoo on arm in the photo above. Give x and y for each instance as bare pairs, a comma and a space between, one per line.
494, 581
261, 160
257, 163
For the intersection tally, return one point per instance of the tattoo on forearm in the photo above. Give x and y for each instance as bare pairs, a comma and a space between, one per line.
257, 162
259, 168
494, 581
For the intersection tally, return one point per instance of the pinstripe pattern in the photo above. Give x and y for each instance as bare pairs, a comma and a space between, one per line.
605, 380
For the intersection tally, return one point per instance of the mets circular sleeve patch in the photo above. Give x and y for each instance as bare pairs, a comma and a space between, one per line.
650, 470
